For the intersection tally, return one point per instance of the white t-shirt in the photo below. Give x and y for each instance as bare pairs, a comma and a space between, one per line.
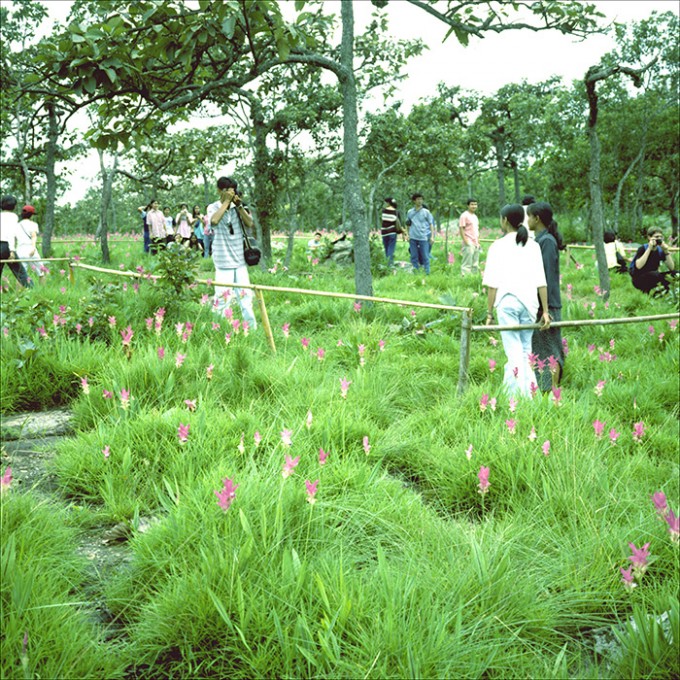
25, 233
516, 270
9, 228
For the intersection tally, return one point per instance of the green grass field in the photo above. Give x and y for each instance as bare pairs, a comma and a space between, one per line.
401, 567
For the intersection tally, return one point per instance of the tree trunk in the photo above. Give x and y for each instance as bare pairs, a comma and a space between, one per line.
515, 176
262, 177
500, 169
51, 193
353, 200
107, 190
673, 209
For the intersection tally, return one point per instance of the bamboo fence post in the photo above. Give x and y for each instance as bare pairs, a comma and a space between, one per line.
464, 364
265, 319
71, 275
568, 255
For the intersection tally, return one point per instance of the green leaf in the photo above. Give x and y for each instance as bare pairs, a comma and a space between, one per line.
228, 26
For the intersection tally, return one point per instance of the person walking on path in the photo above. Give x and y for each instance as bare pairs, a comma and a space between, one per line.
548, 346
515, 282
420, 225
228, 217
468, 226
9, 238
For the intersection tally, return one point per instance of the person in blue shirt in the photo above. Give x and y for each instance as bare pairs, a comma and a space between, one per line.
420, 226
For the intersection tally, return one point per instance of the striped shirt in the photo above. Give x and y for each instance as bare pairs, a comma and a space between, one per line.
389, 221
227, 247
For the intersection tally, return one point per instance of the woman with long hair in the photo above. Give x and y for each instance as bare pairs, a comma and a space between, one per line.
548, 346
515, 281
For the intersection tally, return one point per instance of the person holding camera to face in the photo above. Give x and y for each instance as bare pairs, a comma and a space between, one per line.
644, 269
228, 218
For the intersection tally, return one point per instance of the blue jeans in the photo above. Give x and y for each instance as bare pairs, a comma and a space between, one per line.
390, 244
147, 239
518, 374
420, 254
207, 244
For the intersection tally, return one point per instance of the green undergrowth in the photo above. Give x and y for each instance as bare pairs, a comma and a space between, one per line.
401, 567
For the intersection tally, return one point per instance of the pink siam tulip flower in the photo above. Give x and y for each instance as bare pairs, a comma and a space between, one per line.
289, 466
320, 353
492, 365
215, 326
257, 438
285, 329
413, 313
246, 328
591, 348
205, 299
311, 491
90, 321
190, 404
492, 404
179, 329
533, 359
107, 395
598, 426
483, 402
367, 446
546, 447
344, 387
638, 431
179, 359
673, 525
228, 494
183, 433
357, 307
106, 451
511, 425
227, 338
451, 258
381, 345
361, 349
6, 480
124, 398
673, 323
79, 328
565, 347
493, 341
639, 557
468, 452
339, 343
533, 388
651, 330
304, 342
236, 325
557, 395
660, 503
661, 337
149, 323
553, 364
599, 388
532, 435
112, 321
84, 384
483, 476
512, 404
607, 357
515, 372
126, 335
308, 422
613, 436
627, 578
209, 371
286, 436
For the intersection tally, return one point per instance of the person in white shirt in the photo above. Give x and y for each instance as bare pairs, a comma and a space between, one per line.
27, 246
9, 237
513, 276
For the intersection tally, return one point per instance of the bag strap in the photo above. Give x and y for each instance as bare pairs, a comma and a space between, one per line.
246, 240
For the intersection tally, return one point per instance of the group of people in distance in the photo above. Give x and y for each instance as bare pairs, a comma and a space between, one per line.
19, 240
190, 230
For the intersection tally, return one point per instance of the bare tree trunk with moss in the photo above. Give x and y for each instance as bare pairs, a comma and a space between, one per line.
107, 191
50, 174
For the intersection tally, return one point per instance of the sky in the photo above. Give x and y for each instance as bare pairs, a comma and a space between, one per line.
484, 65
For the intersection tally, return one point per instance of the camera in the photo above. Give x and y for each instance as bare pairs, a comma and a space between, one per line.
659, 241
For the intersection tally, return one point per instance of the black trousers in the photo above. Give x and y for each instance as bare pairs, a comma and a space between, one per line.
16, 267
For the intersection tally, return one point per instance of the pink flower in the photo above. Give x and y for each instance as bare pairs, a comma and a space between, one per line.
6, 480
257, 438
112, 321
612, 344
161, 353
628, 579
565, 347
512, 404
557, 395
124, 398
483, 402
285, 329
209, 372
546, 447
179, 359
381, 345
286, 437
246, 327
126, 335
673, 323
311, 491
204, 299
639, 557
90, 321
492, 365
591, 348
533, 359
305, 343
241, 445
183, 433
599, 388
367, 446
468, 453
289, 466
190, 404
493, 341
339, 343
320, 353
651, 330
492, 404
79, 328
451, 258
215, 326
227, 338
228, 494
344, 387
638, 431
613, 436
598, 426
511, 425
532, 435
483, 476
84, 384
107, 395
236, 325
357, 307
323, 455
515, 372
106, 451
361, 349
533, 388
673, 525
413, 313
660, 503
553, 364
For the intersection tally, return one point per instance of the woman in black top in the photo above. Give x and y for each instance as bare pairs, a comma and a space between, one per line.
645, 266
390, 227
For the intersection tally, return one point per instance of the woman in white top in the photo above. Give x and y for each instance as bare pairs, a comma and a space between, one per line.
27, 242
515, 281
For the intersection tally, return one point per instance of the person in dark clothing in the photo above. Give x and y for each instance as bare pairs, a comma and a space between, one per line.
644, 268
9, 236
390, 228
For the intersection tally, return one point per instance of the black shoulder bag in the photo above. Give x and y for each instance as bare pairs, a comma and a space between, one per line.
251, 255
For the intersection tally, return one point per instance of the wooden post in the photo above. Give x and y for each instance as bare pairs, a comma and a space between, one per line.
464, 364
568, 254
265, 319
71, 275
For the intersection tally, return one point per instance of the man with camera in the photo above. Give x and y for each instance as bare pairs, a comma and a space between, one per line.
644, 269
228, 218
